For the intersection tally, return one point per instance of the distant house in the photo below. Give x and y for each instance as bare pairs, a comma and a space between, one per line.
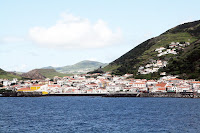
182, 88
163, 73
160, 49
140, 86
114, 88
160, 87
196, 86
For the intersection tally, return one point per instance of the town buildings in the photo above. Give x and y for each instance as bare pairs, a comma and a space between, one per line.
102, 84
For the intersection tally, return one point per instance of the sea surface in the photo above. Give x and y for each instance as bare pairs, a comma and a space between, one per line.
98, 115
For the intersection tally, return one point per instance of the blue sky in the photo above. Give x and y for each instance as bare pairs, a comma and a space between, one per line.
39, 33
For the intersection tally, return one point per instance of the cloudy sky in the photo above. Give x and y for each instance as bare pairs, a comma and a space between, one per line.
39, 33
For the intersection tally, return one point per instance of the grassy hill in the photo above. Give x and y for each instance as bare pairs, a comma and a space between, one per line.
42, 74
177, 64
80, 67
50, 73
187, 65
7, 75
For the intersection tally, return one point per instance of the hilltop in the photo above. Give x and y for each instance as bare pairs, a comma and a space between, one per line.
8, 75
42, 74
49, 72
177, 50
80, 67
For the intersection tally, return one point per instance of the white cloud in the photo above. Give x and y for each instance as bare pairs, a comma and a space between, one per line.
75, 32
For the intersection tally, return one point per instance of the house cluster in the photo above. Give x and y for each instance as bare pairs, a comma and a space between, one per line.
86, 70
155, 65
163, 51
152, 67
178, 45
102, 84
173, 47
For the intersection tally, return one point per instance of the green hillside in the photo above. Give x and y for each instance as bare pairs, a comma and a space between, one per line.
50, 73
145, 52
42, 74
187, 65
80, 67
6, 75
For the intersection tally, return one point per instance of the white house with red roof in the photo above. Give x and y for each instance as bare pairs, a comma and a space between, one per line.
196, 86
160, 87
140, 86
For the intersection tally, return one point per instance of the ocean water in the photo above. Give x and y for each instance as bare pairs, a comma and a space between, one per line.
99, 115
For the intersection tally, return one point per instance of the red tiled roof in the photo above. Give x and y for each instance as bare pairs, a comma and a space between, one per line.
53, 85
139, 83
24, 89
151, 81
196, 82
161, 84
182, 86
162, 88
15, 85
175, 79
168, 86
36, 85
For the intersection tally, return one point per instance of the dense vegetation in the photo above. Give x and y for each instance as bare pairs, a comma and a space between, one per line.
99, 70
185, 64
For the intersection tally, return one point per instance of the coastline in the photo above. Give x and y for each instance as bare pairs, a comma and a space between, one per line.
162, 94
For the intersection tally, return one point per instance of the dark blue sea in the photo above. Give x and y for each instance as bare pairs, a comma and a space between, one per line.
98, 115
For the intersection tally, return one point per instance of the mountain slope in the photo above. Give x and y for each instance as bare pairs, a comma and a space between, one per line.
42, 74
80, 67
187, 65
143, 54
7, 75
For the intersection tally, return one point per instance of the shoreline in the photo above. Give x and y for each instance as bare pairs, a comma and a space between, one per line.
169, 95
